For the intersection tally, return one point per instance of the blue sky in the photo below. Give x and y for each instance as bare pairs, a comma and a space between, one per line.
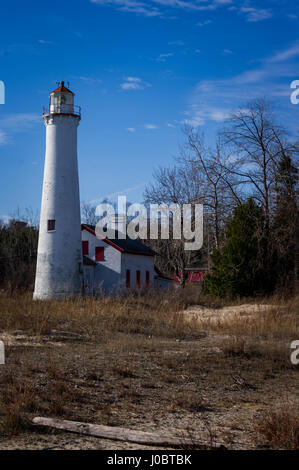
140, 70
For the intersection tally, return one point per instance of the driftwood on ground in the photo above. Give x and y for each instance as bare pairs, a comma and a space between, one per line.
120, 434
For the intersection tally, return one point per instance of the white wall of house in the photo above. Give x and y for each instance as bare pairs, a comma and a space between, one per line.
108, 272
137, 263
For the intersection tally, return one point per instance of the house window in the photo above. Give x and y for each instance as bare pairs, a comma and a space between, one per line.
147, 278
99, 253
85, 248
138, 279
128, 278
51, 225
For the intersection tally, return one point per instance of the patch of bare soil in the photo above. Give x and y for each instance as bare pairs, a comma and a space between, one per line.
198, 312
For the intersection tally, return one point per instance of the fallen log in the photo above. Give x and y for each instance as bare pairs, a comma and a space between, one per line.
120, 434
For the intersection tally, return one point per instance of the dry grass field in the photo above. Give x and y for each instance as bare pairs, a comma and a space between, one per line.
172, 362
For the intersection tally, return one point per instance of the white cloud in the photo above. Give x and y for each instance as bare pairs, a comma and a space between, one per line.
3, 138
130, 86
214, 100
131, 6
286, 54
162, 8
122, 192
198, 116
255, 14
227, 51
134, 83
163, 57
20, 121
204, 23
219, 114
131, 129
192, 4
152, 8
43, 41
195, 121
89, 79
13, 123
150, 126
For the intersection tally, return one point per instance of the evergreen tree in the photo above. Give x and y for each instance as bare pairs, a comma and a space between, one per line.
236, 266
18, 246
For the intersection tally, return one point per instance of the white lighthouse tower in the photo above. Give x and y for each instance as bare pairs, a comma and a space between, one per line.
59, 258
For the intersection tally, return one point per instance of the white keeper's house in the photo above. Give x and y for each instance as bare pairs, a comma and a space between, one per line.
114, 265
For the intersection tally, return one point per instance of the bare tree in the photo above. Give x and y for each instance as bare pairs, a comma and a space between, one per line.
171, 187
209, 174
258, 143
168, 187
202, 176
88, 213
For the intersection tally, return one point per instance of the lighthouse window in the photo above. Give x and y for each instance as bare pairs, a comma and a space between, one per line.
51, 225
99, 254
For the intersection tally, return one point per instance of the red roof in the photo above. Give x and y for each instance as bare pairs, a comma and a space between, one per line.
62, 89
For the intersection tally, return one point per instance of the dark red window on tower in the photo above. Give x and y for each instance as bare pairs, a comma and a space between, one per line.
128, 278
138, 278
51, 225
147, 278
85, 249
99, 253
